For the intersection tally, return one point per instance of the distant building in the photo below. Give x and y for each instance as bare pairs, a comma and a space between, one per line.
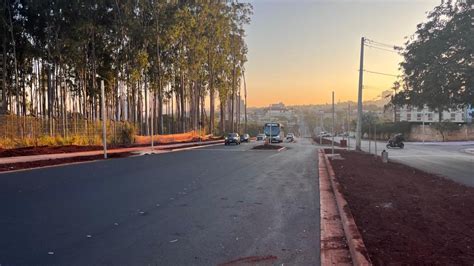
414, 114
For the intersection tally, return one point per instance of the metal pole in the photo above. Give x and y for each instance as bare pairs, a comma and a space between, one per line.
370, 142
348, 128
359, 98
104, 119
270, 114
153, 121
423, 121
333, 110
375, 138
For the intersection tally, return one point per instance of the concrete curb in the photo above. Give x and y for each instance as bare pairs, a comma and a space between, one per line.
357, 248
146, 152
333, 245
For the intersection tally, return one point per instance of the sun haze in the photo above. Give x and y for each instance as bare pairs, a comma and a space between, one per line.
300, 51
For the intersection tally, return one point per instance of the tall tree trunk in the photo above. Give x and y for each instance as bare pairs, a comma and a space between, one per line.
211, 93
222, 114
15, 62
182, 106
3, 109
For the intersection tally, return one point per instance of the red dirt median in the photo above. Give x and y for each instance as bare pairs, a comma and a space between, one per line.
407, 216
42, 163
267, 147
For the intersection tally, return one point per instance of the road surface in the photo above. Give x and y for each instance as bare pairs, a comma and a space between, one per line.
204, 207
448, 159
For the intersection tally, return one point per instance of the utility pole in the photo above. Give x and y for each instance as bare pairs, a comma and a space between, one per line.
359, 98
245, 95
333, 111
349, 126
104, 118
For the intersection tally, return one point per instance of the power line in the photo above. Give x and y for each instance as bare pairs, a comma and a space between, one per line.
380, 73
383, 49
394, 47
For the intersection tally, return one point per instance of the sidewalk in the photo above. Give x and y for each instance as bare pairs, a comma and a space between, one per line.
156, 149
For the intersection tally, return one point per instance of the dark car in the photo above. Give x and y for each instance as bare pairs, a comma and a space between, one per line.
232, 138
245, 138
396, 141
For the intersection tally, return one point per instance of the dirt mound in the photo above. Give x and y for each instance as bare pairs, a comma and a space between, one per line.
267, 147
407, 216
325, 141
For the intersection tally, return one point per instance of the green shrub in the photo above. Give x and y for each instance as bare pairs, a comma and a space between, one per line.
126, 133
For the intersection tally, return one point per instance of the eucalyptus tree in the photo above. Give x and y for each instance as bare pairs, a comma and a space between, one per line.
147, 52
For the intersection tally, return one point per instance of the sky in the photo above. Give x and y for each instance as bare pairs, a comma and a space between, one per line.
302, 50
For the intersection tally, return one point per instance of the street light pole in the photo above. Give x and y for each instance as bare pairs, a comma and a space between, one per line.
359, 98
104, 118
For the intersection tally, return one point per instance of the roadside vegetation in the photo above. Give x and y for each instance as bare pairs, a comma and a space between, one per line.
159, 62
438, 62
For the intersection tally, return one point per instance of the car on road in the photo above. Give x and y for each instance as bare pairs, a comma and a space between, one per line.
324, 134
245, 138
290, 137
261, 137
232, 138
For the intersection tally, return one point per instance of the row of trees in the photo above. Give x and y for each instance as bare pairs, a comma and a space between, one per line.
159, 60
438, 66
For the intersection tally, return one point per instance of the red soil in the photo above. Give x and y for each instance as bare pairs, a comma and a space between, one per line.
325, 141
75, 148
407, 216
267, 147
35, 164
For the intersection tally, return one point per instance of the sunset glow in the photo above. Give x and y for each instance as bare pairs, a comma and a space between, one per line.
300, 52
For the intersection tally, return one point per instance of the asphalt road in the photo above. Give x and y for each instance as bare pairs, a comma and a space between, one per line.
447, 159
203, 206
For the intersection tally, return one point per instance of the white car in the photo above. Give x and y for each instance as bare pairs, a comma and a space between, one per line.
261, 137
290, 137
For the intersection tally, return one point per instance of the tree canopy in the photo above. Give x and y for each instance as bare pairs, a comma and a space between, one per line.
438, 66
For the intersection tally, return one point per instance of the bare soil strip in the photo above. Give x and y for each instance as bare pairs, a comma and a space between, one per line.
42, 163
268, 147
407, 216
38, 150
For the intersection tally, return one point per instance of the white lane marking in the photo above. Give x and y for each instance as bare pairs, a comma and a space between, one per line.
195, 147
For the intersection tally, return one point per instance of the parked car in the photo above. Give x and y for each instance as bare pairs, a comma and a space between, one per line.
232, 138
290, 137
245, 138
261, 137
